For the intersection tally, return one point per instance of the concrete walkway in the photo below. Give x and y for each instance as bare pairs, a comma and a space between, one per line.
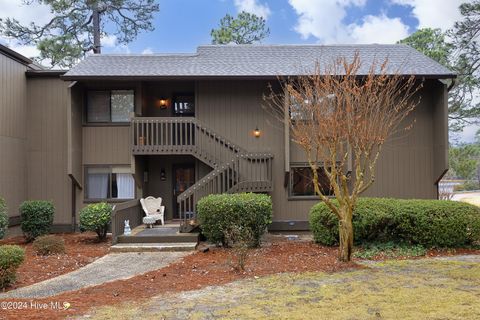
114, 266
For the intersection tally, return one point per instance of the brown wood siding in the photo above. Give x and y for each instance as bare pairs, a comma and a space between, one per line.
48, 145
75, 133
405, 169
106, 145
13, 136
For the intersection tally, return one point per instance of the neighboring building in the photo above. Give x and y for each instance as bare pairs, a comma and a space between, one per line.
180, 126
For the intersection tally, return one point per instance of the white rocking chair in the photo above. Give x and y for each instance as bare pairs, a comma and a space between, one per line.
153, 210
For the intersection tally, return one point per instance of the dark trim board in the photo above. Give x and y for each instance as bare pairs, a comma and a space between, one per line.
56, 228
289, 225
14, 221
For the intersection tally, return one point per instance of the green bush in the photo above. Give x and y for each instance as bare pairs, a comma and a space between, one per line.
430, 223
37, 218
467, 186
96, 217
218, 214
11, 257
3, 218
49, 244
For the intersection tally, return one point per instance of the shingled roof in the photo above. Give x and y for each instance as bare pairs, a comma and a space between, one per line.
253, 61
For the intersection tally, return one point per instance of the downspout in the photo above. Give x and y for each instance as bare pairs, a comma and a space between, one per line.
286, 127
75, 185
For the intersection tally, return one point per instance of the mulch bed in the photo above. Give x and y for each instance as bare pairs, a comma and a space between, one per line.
80, 249
196, 271
193, 272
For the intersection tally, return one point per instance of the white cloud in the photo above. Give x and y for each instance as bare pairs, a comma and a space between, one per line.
24, 14
253, 6
324, 20
108, 41
434, 13
378, 29
147, 51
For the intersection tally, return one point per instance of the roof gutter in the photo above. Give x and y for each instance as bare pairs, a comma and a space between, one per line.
68, 77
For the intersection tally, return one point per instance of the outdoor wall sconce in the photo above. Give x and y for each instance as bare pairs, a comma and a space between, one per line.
163, 103
257, 132
163, 176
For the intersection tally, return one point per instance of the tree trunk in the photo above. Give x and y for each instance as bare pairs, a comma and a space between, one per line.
96, 30
346, 236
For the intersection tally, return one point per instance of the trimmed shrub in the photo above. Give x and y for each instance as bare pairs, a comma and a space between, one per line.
11, 257
49, 244
431, 223
247, 213
37, 218
96, 217
467, 186
3, 218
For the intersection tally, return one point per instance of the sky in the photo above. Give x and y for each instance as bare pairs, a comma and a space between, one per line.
182, 25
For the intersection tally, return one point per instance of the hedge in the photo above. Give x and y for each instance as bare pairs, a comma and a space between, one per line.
37, 218
49, 244
221, 213
11, 257
431, 223
96, 217
3, 218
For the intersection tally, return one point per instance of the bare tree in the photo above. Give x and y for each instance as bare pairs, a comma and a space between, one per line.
341, 119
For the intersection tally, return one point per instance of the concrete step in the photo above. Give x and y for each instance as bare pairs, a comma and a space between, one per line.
160, 238
153, 247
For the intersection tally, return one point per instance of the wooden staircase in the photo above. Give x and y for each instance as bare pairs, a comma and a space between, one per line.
234, 168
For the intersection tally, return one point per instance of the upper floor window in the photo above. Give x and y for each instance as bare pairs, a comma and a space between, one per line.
110, 106
301, 182
184, 104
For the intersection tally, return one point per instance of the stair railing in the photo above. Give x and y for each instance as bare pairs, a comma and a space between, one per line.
242, 173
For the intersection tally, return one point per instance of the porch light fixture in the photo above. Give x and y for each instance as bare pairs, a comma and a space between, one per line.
163, 176
163, 103
257, 132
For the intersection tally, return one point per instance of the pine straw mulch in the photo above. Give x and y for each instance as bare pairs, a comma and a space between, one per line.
80, 250
200, 270
195, 271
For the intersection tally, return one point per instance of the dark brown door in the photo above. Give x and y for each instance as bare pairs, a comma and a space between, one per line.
183, 178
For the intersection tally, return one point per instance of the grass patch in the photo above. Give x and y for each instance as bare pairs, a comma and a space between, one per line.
415, 289
389, 250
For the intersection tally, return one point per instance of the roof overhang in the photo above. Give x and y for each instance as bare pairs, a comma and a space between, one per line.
215, 77
15, 55
44, 73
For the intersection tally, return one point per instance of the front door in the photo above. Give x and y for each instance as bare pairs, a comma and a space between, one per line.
183, 178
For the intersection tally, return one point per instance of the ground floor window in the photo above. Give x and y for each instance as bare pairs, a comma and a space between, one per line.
301, 182
109, 183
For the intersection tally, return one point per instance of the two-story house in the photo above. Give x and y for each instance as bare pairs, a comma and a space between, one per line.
181, 126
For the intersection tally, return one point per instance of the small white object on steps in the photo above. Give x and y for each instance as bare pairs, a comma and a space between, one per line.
127, 231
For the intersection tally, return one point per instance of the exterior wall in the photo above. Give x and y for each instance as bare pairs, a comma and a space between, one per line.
410, 164
13, 135
406, 168
48, 145
106, 145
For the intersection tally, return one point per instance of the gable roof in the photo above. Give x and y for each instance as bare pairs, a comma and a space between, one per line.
253, 61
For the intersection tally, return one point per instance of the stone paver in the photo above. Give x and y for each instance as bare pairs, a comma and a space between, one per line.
114, 266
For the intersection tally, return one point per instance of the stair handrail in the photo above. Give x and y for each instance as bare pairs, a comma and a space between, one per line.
222, 168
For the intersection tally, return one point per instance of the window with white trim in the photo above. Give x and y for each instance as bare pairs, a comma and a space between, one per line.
109, 183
